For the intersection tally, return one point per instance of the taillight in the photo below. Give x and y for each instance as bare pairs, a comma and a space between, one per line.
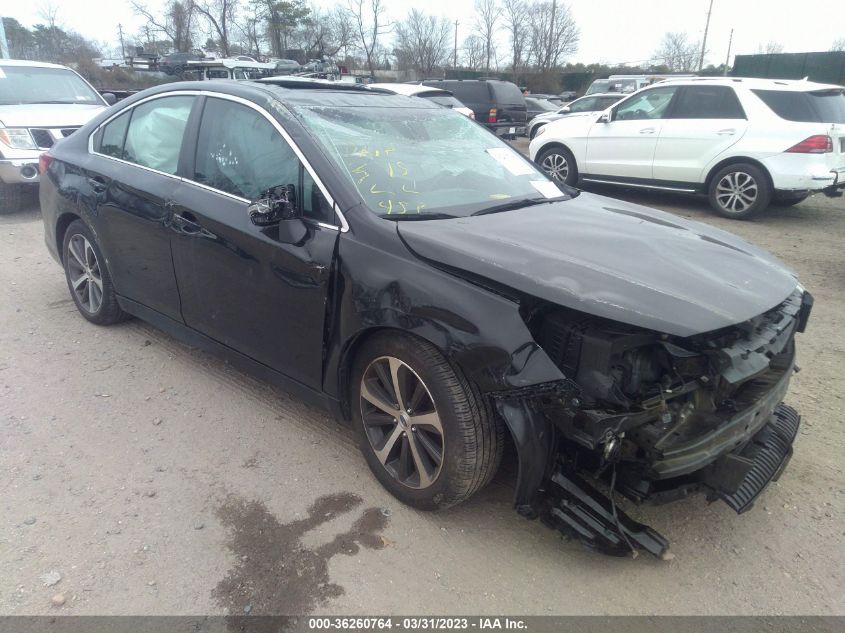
818, 144
491, 115
44, 162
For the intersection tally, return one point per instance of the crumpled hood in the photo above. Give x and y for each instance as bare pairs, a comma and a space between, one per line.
47, 115
612, 259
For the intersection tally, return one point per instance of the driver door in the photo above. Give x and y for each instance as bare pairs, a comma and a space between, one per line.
623, 147
260, 290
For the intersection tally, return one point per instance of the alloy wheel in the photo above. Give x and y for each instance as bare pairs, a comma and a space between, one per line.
401, 422
555, 165
736, 192
84, 272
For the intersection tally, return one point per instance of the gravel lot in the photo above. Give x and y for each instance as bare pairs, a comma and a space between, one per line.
140, 476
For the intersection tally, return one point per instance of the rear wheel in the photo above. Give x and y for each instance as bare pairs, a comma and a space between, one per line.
88, 278
425, 432
739, 191
559, 164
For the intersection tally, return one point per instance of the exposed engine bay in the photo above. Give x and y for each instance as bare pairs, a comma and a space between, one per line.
657, 417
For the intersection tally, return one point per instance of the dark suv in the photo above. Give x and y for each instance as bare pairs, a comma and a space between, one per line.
497, 104
175, 63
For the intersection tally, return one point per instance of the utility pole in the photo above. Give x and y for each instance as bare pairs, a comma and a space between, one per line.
704, 40
455, 63
728, 58
122, 47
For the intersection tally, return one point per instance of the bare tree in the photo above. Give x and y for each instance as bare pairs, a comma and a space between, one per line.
473, 52
677, 53
176, 23
48, 11
422, 41
517, 25
248, 25
770, 48
488, 13
838, 45
370, 22
220, 15
325, 33
554, 33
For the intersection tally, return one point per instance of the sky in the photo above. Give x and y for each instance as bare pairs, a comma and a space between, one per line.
612, 31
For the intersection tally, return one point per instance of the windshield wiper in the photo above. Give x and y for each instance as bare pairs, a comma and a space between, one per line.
515, 204
405, 217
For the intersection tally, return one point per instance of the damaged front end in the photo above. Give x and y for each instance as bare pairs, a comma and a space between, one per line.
653, 417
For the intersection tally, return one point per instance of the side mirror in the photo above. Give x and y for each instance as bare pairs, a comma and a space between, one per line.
273, 206
565, 110
604, 118
109, 98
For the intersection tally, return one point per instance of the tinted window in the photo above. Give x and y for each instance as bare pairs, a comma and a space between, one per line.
468, 91
154, 138
651, 104
606, 102
506, 92
823, 106
707, 102
240, 152
112, 136
587, 104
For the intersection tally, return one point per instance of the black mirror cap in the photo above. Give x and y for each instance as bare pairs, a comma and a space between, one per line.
109, 98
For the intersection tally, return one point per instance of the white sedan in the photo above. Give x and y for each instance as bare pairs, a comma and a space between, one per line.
439, 96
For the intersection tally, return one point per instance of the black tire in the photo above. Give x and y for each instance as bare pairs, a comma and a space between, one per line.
739, 191
473, 437
787, 200
559, 164
10, 198
108, 311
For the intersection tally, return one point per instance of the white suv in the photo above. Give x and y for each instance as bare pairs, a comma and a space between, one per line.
746, 143
39, 105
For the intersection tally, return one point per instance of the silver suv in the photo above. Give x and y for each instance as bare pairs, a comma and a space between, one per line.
39, 104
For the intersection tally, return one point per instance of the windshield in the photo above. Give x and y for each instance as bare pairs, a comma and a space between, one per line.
31, 84
408, 163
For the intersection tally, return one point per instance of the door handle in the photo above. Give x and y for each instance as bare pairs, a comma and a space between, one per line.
186, 222
729, 131
98, 184
648, 130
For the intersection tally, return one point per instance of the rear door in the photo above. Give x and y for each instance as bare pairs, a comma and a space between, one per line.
704, 121
623, 147
133, 171
509, 103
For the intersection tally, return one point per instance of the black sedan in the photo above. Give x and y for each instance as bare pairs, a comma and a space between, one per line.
398, 263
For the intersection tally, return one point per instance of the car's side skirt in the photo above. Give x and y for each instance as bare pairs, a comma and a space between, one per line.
644, 183
244, 363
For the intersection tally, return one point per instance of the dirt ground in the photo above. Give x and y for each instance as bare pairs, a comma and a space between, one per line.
140, 476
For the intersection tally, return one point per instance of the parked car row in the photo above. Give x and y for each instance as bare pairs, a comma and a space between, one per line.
391, 260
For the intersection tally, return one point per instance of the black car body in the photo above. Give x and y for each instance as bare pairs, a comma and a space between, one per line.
499, 105
608, 339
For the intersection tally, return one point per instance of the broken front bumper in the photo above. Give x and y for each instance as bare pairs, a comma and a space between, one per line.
578, 510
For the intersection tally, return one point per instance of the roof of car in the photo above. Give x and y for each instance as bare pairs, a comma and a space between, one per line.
753, 83
27, 62
297, 91
408, 89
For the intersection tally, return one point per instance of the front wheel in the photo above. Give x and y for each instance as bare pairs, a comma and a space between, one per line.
739, 191
425, 432
559, 165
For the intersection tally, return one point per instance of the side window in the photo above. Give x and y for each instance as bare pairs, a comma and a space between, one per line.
314, 203
651, 104
707, 102
583, 105
112, 135
154, 137
240, 152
